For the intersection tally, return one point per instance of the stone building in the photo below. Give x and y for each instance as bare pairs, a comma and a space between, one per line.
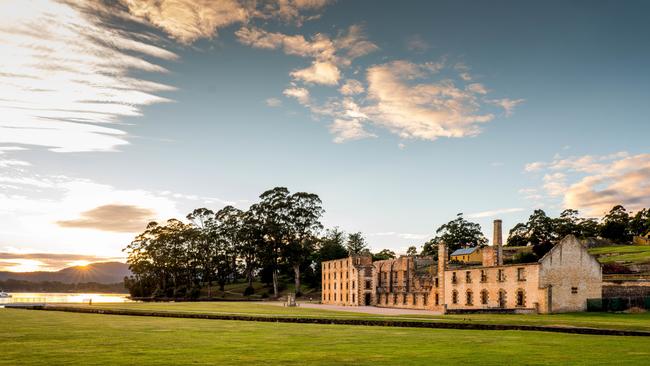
561, 281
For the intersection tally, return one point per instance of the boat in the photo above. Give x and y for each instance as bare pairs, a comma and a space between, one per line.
4, 295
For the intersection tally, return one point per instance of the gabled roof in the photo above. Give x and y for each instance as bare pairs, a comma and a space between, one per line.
464, 251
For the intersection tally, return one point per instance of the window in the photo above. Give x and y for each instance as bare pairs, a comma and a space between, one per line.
484, 297
395, 299
483, 276
347, 297
404, 299
521, 298
454, 297
386, 299
469, 298
352, 298
334, 275
502, 298
335, 285
437, 299
436, 281
415, 300
353, 285
368, 285
501, 276
468, 277
521, 274
574, 290
453, 278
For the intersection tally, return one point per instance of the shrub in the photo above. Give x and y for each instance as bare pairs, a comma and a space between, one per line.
249, 291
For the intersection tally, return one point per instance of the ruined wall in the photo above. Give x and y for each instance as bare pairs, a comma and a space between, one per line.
404, 283
499, 286
571, 276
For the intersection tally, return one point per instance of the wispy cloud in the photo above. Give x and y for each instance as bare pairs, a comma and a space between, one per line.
66, 76
493, 213
117, 218
26, 262
595, 183
273, 102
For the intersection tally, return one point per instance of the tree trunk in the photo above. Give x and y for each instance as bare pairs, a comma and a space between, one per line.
275, 282
296, 271
210, 288
250, 276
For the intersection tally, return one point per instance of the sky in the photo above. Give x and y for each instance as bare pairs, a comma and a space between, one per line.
398, 115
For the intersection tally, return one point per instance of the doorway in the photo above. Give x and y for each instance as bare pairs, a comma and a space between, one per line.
367, 300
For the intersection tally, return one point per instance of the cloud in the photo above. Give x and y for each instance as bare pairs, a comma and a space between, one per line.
301, 94
416, 43
273, 102
117, 218
352, 87
190, 20
66, 75
492, 213
348, 130
423, 110
324, 73
596, 183
328, 54
508, 105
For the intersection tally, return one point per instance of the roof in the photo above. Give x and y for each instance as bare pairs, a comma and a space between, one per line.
464, 251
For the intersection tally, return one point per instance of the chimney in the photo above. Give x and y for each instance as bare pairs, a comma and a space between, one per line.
497, 241
442, 257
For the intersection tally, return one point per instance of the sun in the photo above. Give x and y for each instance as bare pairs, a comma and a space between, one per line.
79, 263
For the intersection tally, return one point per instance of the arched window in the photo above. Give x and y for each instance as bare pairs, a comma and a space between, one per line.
454, 297
469, 298
502, 298
521, 298
484, 297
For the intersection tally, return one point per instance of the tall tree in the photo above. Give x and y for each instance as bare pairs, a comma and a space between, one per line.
640, 222
273, 214
538, 231
356, 244
305, 211
616, 225
205, 248
459, 232
228, 232
411, 251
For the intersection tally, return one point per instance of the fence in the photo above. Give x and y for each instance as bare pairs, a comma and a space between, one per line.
618, 303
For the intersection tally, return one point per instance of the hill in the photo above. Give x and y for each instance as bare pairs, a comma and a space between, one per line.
101, 272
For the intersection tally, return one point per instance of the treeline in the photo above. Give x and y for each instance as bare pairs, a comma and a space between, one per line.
541, 231
11, 285
278, 236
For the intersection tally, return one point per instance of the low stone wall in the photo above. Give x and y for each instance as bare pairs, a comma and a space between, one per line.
311, 320
626, 290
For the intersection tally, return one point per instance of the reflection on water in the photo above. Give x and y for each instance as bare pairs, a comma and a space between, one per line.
40, 298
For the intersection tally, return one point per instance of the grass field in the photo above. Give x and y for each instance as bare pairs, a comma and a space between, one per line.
53, 338
638, 321
623, 253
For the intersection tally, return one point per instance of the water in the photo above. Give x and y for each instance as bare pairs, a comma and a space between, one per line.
70, 298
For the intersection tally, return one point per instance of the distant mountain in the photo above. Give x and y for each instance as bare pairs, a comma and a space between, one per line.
101, 272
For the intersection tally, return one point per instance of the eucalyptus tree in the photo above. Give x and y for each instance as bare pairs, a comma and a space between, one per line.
204, 248
228, 233
305, 211
273, 214
460, 232
356, 243
251, 241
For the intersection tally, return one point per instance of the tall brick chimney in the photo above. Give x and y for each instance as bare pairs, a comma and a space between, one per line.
497, 241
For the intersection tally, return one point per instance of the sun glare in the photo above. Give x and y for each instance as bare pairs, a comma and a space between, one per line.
79, 263
25, 265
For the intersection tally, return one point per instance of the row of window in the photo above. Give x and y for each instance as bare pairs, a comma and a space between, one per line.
404, 299
333, 275
347, 285
329, 264
347, 297
469, 298
501, 276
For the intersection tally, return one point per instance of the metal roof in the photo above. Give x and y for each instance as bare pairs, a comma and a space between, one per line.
464, 251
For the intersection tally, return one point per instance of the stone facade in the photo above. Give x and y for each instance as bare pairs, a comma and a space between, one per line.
561, 281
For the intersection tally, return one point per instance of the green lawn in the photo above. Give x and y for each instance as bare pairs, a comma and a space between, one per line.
622, 253
54, 338
639, 321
